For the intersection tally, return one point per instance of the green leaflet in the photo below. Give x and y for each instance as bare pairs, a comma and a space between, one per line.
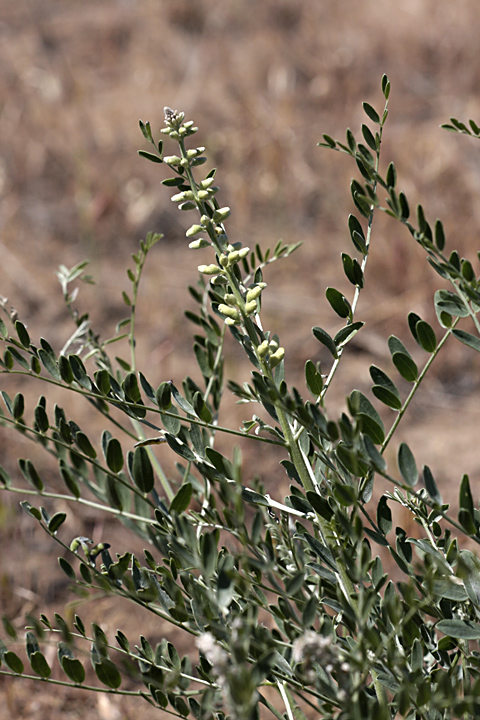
363, 409
142, 471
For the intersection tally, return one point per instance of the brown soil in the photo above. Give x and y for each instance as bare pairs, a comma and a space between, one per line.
263, 81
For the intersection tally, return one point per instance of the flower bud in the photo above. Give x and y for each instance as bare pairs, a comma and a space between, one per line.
277, 357
230, 321
194, 230
243, 252
172, 160
233, 257
253, 293
74, 545
251, 307
273, 345
230, 299
188, 124
209, 269
221, 214
206, 183
203, 194
184, 162
218, 280
228, 311
223, 260
197, 244
180, 197
262, 349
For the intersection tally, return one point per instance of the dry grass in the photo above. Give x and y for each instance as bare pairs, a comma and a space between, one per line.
262, 80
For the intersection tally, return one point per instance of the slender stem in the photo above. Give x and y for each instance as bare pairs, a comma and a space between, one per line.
283, 693
87, 459
134, 656
416, 385
216, 363
154, 609
64, 683
356, 295
135, 286
88, 394
79, 501
466, 302
420, 496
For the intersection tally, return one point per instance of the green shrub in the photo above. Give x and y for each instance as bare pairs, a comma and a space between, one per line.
290, 610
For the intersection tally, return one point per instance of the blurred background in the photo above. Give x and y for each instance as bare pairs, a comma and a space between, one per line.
262, 79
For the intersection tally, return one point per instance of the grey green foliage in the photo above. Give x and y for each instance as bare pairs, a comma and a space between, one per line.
286, 599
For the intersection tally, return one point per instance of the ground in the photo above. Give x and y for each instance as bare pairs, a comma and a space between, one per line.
263, 81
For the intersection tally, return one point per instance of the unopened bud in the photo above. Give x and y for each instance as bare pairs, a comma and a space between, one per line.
223, 260
273, 345
233, 257
197, 244
230, 321
230, 299
251, 307
194, 230
262, 349
172, 160
209, 269
206, 183
243, 252
221, 214
254, 293
203, 194
179, 197
218, 280
228, 311
277, 357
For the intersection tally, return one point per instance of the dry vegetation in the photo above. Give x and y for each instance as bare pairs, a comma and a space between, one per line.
262, 79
